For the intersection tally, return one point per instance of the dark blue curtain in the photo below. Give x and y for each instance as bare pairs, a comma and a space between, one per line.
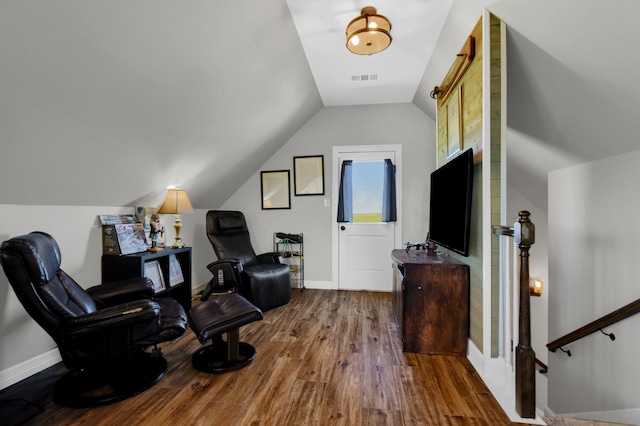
389, 192
345, 194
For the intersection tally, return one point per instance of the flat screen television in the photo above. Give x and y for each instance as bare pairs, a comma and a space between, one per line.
450, 204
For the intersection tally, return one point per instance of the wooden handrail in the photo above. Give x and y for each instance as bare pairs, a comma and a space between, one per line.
543, 367
597, 325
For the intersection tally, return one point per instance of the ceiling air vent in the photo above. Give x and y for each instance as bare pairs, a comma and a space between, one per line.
364, 77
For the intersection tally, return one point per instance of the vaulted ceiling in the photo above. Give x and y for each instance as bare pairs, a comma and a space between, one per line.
391, 76
90, 89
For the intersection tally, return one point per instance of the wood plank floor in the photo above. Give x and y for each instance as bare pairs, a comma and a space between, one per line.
327, 358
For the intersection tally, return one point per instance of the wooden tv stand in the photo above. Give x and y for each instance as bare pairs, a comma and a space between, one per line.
431, 302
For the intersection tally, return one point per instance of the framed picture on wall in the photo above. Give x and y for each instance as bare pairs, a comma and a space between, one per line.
275, 189
308, 175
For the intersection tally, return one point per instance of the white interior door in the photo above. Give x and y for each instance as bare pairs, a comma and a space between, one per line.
365, 262
364, 247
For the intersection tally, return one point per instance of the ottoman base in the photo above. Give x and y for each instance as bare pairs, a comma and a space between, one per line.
211, 319
221, 356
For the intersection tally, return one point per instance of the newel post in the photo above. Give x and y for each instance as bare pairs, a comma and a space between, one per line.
524, 237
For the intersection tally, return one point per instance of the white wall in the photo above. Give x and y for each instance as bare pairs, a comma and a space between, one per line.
77, 231
593, 253
135, 96
333, 126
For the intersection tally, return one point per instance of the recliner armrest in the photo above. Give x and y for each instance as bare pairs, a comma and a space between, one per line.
232, 261
123, 291
125, 315
226, 276
271, 257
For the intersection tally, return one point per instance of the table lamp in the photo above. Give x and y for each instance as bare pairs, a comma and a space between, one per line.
176, 202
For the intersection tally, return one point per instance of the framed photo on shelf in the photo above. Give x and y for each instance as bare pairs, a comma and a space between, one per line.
275, 189
308, 175
153, 271
175, 271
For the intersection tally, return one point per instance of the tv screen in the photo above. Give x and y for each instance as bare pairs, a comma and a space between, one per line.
450, 204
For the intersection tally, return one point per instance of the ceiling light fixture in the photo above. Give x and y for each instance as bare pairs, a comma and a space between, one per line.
369, 33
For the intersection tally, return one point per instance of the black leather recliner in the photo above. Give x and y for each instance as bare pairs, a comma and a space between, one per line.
263, 279
102, 333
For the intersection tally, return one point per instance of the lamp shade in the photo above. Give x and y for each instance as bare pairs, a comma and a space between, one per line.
369, 33
176, 202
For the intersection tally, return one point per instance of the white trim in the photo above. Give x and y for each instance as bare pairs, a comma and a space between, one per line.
504, 327
319, 285
28, 368
486, 188
335, 170
629, 416
497, 373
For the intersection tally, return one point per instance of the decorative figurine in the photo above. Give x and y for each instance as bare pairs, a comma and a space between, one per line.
156, 230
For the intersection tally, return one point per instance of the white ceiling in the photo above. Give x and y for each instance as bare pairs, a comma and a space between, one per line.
416, 26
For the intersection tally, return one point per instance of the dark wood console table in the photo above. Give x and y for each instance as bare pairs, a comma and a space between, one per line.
117, 267
431, 302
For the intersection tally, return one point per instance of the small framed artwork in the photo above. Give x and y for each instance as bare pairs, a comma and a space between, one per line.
153, 271
308, 175
275, 189
175, 271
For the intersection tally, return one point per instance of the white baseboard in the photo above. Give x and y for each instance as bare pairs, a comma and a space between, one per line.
500, 379
28, 368
624, 417
198, 289
320, 285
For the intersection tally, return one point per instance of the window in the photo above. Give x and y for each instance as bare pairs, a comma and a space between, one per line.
368, 184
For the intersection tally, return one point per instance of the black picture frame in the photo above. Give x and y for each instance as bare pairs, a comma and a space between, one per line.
275, 189
308, 175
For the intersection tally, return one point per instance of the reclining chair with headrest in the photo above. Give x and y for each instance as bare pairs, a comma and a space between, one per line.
102, 333
262, 279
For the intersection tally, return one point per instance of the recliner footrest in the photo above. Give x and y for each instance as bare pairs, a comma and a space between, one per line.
210, 319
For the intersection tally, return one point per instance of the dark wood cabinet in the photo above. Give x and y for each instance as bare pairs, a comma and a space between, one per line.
431, 302
115, 267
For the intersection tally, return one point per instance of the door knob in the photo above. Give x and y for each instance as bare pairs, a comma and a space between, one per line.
342, 228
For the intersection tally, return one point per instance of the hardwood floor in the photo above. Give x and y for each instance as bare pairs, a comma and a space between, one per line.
327, 358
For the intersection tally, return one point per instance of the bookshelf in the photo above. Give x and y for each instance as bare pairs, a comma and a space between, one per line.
175, 282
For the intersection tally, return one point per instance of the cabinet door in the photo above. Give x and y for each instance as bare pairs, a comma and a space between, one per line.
436, 310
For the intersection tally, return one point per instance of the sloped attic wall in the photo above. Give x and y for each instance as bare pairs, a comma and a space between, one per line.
109, 102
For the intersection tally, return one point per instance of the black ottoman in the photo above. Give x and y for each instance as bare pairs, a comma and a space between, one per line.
209, 320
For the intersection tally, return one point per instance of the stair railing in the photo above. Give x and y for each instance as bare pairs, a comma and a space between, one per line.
597, 325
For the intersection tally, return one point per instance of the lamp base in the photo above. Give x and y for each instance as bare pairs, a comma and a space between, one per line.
177, 224
177, 244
